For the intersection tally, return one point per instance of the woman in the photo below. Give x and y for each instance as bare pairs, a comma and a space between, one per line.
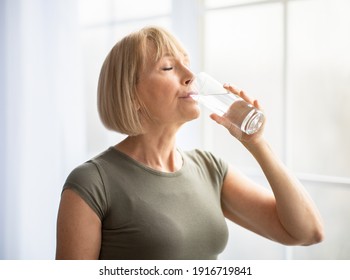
146, 199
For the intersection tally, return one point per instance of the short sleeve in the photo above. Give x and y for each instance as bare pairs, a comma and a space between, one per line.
218, 164
214, 166
87, 182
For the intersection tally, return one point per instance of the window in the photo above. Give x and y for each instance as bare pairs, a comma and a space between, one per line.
297, 64
285, 54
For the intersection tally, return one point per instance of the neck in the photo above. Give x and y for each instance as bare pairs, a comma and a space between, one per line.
158, 153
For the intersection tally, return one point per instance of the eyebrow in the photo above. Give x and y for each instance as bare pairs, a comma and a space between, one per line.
185, 56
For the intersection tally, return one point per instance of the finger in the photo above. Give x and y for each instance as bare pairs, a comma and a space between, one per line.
235, 131
219, 119
239, 92
222, 121
231, 88
247, 98
258, 105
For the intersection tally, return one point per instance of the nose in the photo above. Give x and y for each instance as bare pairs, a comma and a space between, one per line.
189, 77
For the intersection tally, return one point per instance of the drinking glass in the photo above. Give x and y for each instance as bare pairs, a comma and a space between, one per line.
217, 99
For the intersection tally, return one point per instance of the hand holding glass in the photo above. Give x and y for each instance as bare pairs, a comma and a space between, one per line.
213, 96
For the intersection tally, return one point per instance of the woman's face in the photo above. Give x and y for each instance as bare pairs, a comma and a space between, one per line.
165, 88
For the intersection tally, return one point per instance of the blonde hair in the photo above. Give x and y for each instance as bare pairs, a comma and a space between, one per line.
119, 106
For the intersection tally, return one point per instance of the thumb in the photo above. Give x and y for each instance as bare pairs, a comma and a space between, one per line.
235, 131
218, 119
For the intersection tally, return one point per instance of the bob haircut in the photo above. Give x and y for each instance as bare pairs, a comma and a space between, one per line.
119, 106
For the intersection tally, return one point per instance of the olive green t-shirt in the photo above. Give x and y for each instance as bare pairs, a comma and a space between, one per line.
149, 214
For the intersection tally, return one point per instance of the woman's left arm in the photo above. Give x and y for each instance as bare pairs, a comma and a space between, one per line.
294, 208
287, 214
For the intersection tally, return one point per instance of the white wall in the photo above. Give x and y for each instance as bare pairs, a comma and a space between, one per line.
2, 126
43, 128
282, 52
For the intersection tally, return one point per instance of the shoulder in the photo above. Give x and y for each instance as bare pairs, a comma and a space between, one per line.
87, 182
204, 156
206, 159
92, 170
84, 173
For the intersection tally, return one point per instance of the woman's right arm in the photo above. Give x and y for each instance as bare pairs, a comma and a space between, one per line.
78, 229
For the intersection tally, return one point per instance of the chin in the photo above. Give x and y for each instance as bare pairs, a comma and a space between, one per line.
195, 114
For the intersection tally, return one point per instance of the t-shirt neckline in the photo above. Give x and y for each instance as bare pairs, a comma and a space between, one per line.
150, 169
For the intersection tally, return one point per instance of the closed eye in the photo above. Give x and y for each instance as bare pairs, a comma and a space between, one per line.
168, 68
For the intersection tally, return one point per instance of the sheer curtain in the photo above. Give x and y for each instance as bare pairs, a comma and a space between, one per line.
42, 121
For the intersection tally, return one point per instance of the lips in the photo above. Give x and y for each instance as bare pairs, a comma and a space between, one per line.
189, 94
